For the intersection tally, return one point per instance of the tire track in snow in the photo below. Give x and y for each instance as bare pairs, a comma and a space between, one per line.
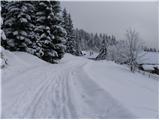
52, 90
16, 108
100, 104
69, 104
36, 100
53, 97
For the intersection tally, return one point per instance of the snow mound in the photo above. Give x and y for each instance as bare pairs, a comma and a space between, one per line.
29, 59
23, 59
19, 62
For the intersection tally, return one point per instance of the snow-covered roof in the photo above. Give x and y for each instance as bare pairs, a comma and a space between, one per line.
149, 58
148, 67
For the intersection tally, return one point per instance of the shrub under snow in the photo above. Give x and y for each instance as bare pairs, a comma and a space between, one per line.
3, 58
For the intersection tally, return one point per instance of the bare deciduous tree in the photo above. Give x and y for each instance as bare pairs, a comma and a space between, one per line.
133, 44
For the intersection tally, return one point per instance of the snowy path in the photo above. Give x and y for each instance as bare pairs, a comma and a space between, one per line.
58, 91
94, 102
68, 93
42, 95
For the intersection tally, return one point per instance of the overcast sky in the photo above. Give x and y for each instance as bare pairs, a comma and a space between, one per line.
115, 17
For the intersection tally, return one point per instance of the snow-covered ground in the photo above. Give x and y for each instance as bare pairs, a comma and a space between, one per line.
75, 88
138, 93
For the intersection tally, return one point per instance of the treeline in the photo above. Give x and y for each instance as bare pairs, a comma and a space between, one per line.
43, 29
91, 41
79, 40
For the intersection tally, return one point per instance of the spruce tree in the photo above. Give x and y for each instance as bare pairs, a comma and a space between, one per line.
50, 35
96, 42
3, 8
3, 58
71, 44
18, 25
104, 49
34, 27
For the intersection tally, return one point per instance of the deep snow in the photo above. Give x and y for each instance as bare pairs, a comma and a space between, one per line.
75, 88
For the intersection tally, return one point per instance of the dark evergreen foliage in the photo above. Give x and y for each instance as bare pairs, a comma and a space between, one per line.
90, 41
50, 35
34, 27
71, 44
18, 25
37, 27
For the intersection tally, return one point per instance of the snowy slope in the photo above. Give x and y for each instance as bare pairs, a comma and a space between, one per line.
75, 88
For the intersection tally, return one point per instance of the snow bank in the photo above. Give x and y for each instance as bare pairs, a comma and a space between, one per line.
136, 92
18, 62
22, 60
30, 59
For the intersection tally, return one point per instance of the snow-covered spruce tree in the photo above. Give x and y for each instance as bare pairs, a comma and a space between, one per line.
71, 43
18, 25
3, 36
77, 39
3, 59
103, 52
98, 42
113, 40
91, 42
3, 8
50, 35
104, 49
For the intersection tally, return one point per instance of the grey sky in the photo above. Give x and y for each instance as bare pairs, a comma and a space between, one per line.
115, 17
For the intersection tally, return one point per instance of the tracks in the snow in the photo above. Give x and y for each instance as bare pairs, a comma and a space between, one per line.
64, 93
48, 98
52, 98
95, 101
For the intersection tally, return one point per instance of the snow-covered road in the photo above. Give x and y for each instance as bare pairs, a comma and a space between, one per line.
56, 91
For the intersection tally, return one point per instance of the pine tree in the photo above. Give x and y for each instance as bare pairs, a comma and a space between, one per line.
104, 49
3, 36
97, 41
71, 44
112, 40
3, 8
58, 30
91, 42
34, 27
50, 35
3, 58
18, 25
65, 19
